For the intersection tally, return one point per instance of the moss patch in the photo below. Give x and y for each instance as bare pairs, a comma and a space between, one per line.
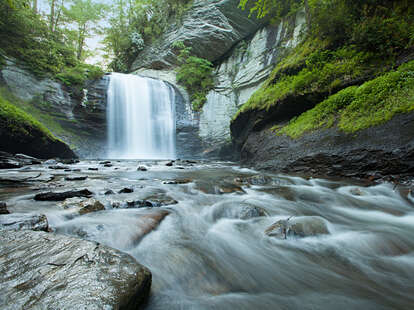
356, 108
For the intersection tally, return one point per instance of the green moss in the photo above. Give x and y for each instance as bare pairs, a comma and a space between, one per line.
19, 123
307, 71
356, 108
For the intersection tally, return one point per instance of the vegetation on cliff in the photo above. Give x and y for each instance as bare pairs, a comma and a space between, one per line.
348, 43
195, 74
22, 133
359, 107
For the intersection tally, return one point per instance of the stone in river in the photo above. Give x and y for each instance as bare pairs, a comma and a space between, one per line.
3, 208
22, 221
142, 168
47, 271
304, 226
76, 178
126, 190
60, 196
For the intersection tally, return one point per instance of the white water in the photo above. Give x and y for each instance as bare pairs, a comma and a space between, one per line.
141, 118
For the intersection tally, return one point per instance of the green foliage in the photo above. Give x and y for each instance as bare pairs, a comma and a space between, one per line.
347, 41
19, 123
143, 19
276, 8
78, 75
356, 108
42, 47
195, 74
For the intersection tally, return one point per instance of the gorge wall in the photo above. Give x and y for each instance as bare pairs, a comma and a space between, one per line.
76, 117
244, 51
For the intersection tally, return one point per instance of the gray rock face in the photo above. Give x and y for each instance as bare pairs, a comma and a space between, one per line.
80, 116
46, 271
240, 75
246, 67
210, 27
17, 221
382, 150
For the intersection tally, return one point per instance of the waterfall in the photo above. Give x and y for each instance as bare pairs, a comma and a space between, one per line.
141, 118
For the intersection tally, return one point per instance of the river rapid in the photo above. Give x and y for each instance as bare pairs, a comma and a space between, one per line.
206, 252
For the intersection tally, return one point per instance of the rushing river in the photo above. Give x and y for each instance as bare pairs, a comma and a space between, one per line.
204, 255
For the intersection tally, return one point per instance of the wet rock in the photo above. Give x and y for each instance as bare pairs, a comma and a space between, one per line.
18, 177
48, 271
150, 222
58, 167
356, 192
153, 201
228, 188
140, 204
28, 159
76, 178
109, 192
21, 221
178, 181
9, 164
69, 161
249, 212
126, 190
60, 196
93, 169
3, 208
298, 227
105, 162
50, 162
108, 165
259, 179
90, 205
142, 168
169, 164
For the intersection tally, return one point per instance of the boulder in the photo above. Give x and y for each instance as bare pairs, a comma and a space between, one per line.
9, 161
3, 208
142, 168
46, 271
83, 206
249, 212
305, 226
60, 196
126, 190
22, 221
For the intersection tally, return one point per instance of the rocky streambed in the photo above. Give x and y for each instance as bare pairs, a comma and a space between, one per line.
211, 235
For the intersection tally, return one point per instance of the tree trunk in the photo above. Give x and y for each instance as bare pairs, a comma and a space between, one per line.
35, 6
52, 15
81, 41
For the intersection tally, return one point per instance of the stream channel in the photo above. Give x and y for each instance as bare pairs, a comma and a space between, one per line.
206, 244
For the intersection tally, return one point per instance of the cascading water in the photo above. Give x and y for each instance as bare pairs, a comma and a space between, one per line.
141, 118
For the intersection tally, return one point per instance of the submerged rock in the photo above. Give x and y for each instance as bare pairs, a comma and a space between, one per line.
305, 226
142, 168
58, 167
248, 212
60, 196
126, 190
48, 271
109, 192
3, 208
22, 221
76, 178
178, 181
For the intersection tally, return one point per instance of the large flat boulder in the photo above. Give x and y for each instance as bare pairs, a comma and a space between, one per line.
41, 270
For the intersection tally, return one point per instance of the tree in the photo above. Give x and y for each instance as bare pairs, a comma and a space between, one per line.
85, 14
